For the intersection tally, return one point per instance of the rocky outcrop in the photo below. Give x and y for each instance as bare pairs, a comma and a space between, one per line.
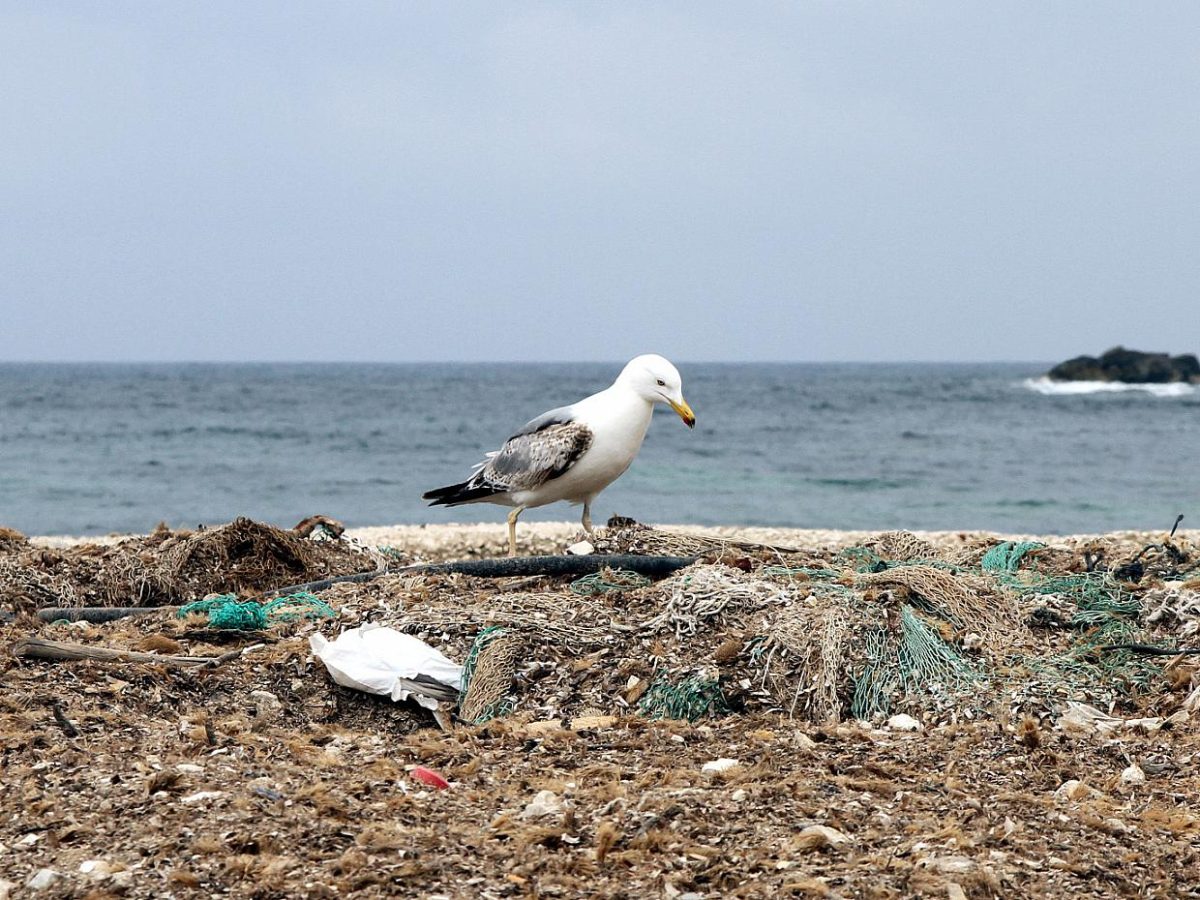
1131, 366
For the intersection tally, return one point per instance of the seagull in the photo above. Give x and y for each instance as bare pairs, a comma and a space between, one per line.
573, 452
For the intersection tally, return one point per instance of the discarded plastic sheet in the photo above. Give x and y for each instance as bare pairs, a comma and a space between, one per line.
381, 660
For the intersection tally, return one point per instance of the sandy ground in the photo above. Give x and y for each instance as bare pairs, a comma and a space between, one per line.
261, 778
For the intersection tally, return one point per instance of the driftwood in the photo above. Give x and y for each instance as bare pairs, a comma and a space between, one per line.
40, 648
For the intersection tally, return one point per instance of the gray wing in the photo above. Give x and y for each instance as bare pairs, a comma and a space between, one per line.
542, 450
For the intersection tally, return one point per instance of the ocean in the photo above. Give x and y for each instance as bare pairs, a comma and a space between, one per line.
99, 448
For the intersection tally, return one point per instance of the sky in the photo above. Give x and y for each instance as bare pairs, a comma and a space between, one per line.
803, 181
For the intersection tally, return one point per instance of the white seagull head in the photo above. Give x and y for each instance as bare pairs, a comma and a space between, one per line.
654, 379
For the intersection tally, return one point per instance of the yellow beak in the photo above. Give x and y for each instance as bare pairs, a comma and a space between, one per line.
685, 412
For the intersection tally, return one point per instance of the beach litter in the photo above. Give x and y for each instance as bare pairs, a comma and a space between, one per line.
808, 666
381, 660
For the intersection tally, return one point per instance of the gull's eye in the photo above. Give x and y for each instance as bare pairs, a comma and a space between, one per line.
661, 383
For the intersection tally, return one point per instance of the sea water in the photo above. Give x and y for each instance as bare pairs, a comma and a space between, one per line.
99, 448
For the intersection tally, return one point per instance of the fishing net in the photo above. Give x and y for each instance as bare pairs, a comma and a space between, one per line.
488, 675
702, 594
608, 581
688, 698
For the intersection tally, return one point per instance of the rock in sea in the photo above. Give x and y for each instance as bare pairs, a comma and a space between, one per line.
1130, 366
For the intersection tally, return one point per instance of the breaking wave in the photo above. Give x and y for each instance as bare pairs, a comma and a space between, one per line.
1049, 387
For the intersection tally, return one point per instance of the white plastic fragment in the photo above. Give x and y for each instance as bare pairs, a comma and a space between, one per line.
544, 803
902, 722
715, 766
583, 548
1082, 719
201, 797
381, 660
950, 865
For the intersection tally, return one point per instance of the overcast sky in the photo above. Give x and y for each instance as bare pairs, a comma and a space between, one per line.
549, 181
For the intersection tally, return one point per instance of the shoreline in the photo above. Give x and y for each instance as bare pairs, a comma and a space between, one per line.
554, 537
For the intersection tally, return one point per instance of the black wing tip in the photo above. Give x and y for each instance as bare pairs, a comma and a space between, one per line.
454, 494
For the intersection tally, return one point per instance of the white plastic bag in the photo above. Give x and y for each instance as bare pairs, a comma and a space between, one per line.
381, 660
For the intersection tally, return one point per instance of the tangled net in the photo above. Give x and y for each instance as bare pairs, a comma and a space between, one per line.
226, 612
488, 675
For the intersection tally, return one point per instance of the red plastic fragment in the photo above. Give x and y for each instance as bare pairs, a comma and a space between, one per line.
429, 777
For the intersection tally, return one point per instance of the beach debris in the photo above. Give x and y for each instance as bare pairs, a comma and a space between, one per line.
225, 611
629, 786
488, 674
582, 548
608, 581
903, 722
543, 804
201, 797
717, 766
818, 837
1082, 719
381, 660
40, 648
1133, 774
43, 879
429, 777
1076, 789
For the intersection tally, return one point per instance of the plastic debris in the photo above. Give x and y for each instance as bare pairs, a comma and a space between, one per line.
716, 766
384, 661
429, 777
544, 803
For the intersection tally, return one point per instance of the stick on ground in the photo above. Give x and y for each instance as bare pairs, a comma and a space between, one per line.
40, 648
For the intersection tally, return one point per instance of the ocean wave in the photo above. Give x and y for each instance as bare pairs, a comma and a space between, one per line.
1048, 387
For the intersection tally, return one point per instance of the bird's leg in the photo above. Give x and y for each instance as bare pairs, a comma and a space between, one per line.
512, 530
587, 517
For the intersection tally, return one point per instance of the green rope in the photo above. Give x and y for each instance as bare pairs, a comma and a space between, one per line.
608, 582
689, 699
226, 612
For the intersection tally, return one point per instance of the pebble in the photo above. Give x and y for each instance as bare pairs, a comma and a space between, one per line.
42, 879
583, 548
189, 769
724, 764
1133, 775
739, 795
901, 722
